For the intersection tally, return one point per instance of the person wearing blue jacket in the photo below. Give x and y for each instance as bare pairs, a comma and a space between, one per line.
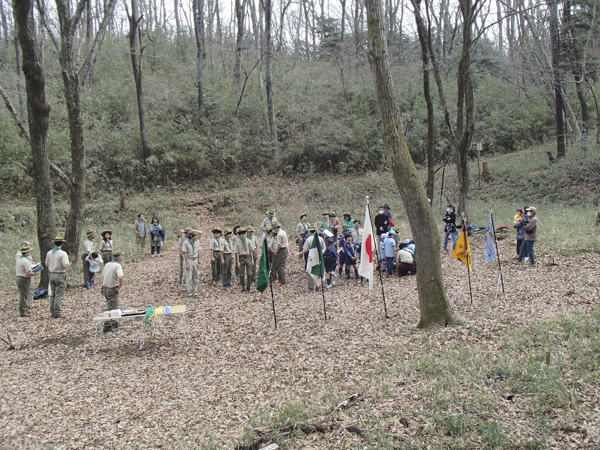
350, 256
389, 249
330, 257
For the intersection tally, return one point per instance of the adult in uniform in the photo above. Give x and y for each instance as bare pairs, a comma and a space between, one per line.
325, 223
112, 282
244, 259
140, 235
226, 255
269, 220
301, 230
215, 248
305, 249
31, 290
252, 237
190, 248
57, 262
23, 273
281, 253
89, 247
106, 246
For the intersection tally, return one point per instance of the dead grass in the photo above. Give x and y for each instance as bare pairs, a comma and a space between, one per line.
519, 373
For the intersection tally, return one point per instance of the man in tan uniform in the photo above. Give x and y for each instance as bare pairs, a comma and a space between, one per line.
23, 273
112, 282
32, 282
57, 262
244, 259
312, 282
190, 248
252, 237
215, 254
140, 235
226, 252
281, 253
88, 248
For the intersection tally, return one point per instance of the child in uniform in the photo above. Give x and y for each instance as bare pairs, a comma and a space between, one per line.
226, 251
215, 261
243, 259
330, 257
252, 237
350, 257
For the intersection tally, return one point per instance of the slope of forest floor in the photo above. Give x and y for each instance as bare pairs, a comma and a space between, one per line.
522, 372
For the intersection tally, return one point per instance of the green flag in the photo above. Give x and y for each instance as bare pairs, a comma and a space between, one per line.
262, 280
315, 263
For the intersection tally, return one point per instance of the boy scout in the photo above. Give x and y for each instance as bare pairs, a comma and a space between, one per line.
215, 257
301, 230
251, 236
89, 247
244, 259
190, 248
112, 282
281, 253
226, 250
24, 274
57, 262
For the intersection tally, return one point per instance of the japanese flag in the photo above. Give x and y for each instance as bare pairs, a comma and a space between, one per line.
367, 249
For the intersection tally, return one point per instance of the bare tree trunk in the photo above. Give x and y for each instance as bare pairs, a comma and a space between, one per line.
434, 306
259, 39
500, 29
268, 7
220, 33
556, 61
306, 29
343, 21
198, 7
38, 113
5, 30
424, 34
211, 18
22, 100
239, 16
136, 64
177, 20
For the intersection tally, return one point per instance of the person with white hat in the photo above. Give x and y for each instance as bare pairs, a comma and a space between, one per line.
24, 273
57, 262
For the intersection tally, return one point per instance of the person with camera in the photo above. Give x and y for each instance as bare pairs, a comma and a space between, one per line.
450, 227
530, 235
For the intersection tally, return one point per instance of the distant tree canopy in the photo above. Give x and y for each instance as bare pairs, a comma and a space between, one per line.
325, 105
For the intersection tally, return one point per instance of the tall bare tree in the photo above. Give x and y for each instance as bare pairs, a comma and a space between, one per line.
137, 59
38, 112
5, 30
557, 78
240, 7
268, 7
434, 306
198, 7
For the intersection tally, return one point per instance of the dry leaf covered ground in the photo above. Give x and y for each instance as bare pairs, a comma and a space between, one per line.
519, 373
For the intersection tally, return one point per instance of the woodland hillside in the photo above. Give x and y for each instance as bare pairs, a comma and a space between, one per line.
325, 108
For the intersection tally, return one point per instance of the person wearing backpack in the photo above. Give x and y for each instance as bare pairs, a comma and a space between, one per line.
531, 235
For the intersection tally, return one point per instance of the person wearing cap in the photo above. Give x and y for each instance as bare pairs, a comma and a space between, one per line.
387, 212
350, 256
236, 238
215, 254
530, 237
31, 291
312, 232
24, 274
190, 249
347, 222
106, 246
268, 221
389, 251
281, 253
450, 227
330, 257
252, 238
89, 247
226, 254
57, 262
157, 236
405, 261
180, 237
140, 235
271, 247
335, 225
112, 282
301, 230
382, 222
325, 223
244, 259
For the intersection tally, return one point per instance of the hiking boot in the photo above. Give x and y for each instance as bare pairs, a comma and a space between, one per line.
59, 316
27, 314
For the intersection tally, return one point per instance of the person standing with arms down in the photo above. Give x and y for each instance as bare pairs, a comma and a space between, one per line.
24, 274
226, 251
215, 254
312, 285
252, 238
57, 262
140, 235
382, 222
89, 247
112, 282
281, 253
106, 246
32, 282
301, 230
157, 236
325, 223
190, 248
244, 259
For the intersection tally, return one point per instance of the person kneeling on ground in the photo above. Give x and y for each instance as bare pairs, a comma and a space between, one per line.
405, 261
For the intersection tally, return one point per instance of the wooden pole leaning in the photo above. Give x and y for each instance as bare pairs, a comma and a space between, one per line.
378, 259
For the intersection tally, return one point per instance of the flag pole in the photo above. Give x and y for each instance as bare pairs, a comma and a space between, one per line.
377, 254
497, 252
468, 258
271, 284
323, 292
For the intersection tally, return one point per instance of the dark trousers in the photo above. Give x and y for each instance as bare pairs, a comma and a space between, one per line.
389, 260
157, 247
86, 270
404, 268
112, 302
527, 250
519, 243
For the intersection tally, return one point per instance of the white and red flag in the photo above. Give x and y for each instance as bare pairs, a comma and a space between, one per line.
367, 250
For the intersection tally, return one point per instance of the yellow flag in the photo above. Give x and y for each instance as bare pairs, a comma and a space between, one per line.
462, 252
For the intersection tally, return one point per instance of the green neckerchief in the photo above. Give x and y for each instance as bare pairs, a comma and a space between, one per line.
23, 256
305, 226
229, 242
115, 261
243, 241
191, 242
218, 241
109, 242
55, 249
